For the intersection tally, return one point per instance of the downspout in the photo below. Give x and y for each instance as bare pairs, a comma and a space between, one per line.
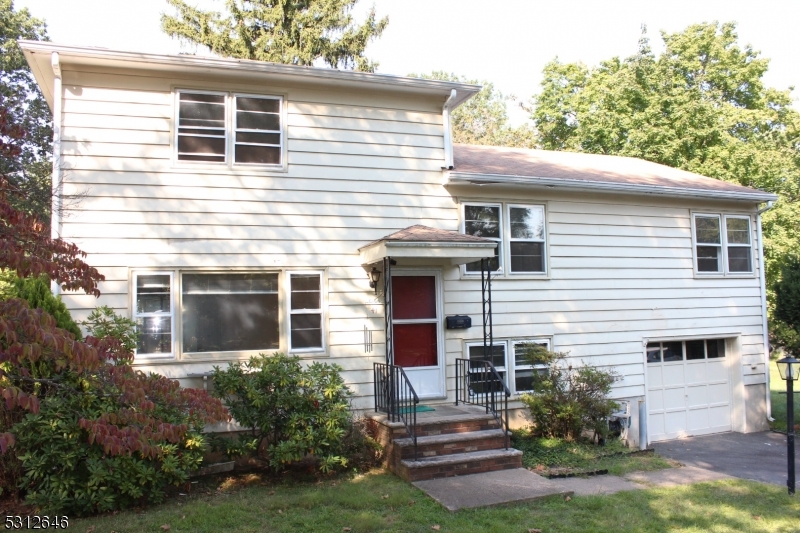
55, 215
448, 131
762, 280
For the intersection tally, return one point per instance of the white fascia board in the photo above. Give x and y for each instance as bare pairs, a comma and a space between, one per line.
460, 252
464, 178
34, 50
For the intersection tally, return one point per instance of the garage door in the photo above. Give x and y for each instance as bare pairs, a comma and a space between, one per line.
688, 389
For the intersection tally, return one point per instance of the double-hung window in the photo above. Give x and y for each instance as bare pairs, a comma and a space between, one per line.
229, 129
482, 220
153, 312
723, 244
516, 372
521, 242
526, 238
227, 314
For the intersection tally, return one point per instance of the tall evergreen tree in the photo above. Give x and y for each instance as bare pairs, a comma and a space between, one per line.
294, 32
23, 106
700, 106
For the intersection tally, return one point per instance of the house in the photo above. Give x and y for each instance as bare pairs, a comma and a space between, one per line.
238, 207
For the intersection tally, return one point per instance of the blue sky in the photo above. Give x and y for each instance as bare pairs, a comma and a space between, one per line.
503, 41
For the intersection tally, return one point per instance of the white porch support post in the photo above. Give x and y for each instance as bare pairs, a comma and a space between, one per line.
56, 205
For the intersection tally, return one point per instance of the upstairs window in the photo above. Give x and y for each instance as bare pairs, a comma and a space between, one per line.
723, 244
526, 239
484, 221
250, 134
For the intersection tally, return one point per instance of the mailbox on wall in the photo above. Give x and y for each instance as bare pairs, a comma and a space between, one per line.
459, 322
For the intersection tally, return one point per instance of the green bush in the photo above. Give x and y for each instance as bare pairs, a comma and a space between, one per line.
103, 322
568, 400
786, 326
292, 412
36, 291
66, 471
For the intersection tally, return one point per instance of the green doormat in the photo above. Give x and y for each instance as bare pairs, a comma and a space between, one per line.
420, 409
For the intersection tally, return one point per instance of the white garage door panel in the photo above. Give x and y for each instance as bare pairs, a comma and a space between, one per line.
686, 398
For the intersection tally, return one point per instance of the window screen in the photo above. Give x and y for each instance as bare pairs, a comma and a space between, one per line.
258, 130
709, 243
230, 312
306, 311
201, 127
484, 221
526, 242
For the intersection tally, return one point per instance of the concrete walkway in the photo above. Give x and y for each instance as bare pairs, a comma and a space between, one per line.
520, 485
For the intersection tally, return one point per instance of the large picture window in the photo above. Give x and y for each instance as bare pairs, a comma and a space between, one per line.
233, 313
723, 244
230, 312
251, 135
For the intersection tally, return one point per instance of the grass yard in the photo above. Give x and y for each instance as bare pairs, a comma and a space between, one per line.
557, 456
778, 397
381, 502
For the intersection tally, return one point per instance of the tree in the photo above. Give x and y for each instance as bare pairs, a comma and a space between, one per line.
483, 119
700, 106
786, 323
299, 32
24, 107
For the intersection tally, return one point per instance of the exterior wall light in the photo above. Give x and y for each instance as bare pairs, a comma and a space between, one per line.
374, 278
789, 369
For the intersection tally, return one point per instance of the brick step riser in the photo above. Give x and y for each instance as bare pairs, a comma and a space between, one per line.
452, 448
448, 428
459, 469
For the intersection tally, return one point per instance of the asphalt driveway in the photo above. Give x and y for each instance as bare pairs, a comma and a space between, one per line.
756, 456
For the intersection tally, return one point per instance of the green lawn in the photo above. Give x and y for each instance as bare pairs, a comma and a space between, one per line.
558, 456
778, 395
380, 502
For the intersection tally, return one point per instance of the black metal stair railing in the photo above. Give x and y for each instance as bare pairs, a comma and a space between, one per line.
395, 396
479, 383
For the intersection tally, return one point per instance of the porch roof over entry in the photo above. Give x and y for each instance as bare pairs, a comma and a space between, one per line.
421, 245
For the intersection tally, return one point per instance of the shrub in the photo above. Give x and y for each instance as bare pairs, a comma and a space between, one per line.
90, 432
103, 322
291, 412
786, 326
36, 291
568, 400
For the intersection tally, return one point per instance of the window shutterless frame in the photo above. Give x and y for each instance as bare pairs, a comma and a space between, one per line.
151, 318
523, 369
527, 246
246, 141
301, 288
469, 224
722, 244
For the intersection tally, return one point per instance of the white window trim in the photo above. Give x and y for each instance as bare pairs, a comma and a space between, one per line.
230, 132
511, 367
291, 313
284, 312
134, 292
511, 239
514, 343
724, 270
500, 246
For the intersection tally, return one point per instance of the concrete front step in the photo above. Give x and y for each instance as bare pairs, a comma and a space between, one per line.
451, 443
459, 464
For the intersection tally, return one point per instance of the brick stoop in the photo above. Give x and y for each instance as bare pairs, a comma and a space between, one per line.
451, 441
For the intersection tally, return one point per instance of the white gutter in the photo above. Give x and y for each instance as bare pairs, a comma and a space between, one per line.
764, 325
448, 131
55, 215
465, 178
216, 65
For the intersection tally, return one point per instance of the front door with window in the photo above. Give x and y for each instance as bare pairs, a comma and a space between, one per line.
416, 331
